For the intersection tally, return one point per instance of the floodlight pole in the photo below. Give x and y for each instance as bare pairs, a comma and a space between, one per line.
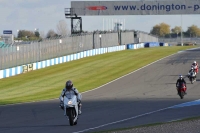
100, 41
181, 32
69, 13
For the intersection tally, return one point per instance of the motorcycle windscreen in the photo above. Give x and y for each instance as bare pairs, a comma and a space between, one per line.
70, 101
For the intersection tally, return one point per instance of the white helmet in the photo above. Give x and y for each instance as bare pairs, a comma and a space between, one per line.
180, 76
195, 62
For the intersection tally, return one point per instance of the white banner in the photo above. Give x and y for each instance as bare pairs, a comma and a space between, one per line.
87, 8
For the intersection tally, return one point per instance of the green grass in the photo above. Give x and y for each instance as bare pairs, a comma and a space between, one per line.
86, 74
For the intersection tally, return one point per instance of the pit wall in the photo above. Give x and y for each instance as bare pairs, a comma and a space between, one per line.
46, 63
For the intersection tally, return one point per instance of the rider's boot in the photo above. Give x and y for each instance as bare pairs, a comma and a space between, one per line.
79, 108
185, 90
177, 90
65, 112
61, 105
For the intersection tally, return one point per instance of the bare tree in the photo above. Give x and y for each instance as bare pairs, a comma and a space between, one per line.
42, 34
51, 33
62, 28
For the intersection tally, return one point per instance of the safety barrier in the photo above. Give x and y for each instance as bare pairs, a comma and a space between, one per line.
145, 45
38, 65
152, 44
135, 46
164, 44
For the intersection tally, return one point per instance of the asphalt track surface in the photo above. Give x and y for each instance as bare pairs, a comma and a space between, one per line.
142, 97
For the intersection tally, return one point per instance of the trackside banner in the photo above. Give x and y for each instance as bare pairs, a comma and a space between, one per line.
87, 8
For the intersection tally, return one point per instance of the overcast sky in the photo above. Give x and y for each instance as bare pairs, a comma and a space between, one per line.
45, 15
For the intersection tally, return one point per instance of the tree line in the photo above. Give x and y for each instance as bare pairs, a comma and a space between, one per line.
163, 30
27, 35
160, 30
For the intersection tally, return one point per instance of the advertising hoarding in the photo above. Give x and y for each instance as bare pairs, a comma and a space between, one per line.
7, 32
89, 8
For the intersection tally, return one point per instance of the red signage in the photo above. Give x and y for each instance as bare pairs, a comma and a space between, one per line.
96, 8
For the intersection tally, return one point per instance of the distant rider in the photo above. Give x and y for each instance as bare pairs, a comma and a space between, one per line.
67, 90
179, 83
191, 71
195, 65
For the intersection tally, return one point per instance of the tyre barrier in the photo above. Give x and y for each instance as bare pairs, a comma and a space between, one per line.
152, 44
135, 46
146, 45
164, 44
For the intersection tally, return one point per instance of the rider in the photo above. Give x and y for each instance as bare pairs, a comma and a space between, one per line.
195, 65
179, 83
70, 89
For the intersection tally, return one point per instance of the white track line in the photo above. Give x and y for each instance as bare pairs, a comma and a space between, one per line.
171, 107
121, 120
133, 116
137, 70
130, 73
175, 120
130, 117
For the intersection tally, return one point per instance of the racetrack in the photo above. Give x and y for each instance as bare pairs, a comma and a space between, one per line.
141, 97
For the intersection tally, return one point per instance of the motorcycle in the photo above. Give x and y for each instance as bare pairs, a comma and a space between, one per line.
181, 90
196, 69
192, 77
70, 105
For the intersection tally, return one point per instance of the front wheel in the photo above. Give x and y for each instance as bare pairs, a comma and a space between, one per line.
181, 94
71, 116
75, 123
192, 80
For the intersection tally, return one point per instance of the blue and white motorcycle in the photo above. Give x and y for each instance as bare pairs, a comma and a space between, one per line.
71, 107
192, 77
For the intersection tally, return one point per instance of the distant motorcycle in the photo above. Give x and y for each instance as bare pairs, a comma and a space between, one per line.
181, 90
196, 69
192, 77
71, 108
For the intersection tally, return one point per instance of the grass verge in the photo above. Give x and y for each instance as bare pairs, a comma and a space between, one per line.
87, 73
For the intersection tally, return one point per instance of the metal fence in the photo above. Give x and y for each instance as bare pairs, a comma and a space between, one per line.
145, 37
179, 40
21, 53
